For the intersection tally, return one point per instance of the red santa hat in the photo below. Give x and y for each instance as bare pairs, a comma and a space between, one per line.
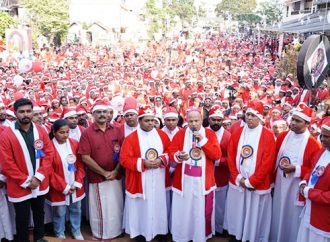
215, 111
171, 112
304, 112
81, 109
37, 109
100, 105
68, 112
276, 110
255, 107
11, 112
130, 105
226, 120
54, 116
279, 121
145, 110
326, 126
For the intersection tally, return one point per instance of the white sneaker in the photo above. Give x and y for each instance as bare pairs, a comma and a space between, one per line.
78, 236
62, 236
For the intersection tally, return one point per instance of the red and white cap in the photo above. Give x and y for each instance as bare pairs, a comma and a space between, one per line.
171, 112
81, 109
215, 111
68, 112
226, 120
276, 110
279, 121
145, 110
37, 109
130, 105
326, 126
100, 105
255, 107
11, 112
304, 112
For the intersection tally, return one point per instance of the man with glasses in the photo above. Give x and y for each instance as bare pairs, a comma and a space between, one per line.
99, 147
71, 117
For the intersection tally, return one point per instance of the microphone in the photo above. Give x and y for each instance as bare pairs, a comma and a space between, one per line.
194, 137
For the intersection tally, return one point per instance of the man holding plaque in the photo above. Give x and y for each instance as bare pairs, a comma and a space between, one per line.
295, 149
144, 156
315, 189
27, 155
193, 149
251, 155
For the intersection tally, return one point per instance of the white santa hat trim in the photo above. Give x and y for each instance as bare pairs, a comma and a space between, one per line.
256, 113
37, 109
131, 111
170, 115
326, 127
10, 113
302, 115
279, 122
101, 107
219, 115
70, 114
81, 112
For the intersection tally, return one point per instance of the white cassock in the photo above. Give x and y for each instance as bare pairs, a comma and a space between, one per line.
128, 129
306, 232
220, 195
248, 210
75, 133
147, 215
6, 228
170, 134
286, 207
189, 209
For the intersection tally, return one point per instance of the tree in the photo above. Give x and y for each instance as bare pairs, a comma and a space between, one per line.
49, 17
235, 8
184, 9
163, 18
5, 22
271, 11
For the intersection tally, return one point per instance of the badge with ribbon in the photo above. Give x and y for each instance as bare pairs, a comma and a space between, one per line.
71, 159
246, 152
151, 154
317, 173
196, 154
116, 149
284, 160
39, 145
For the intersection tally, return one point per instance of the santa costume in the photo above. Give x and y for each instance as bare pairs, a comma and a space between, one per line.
251, 154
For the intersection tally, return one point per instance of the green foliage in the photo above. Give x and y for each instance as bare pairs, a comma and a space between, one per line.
271, 11
251, 18
235, 7
162, 19
5, 22
49, 17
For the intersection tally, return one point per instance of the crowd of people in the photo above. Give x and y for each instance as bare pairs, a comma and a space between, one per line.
192, 138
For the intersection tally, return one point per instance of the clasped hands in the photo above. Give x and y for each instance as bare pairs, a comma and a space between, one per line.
242, 184
153, 164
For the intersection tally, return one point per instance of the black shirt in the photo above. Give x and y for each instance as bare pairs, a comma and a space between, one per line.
29, 141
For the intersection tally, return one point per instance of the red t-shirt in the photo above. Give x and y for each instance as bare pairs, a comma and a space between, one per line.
100, 146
